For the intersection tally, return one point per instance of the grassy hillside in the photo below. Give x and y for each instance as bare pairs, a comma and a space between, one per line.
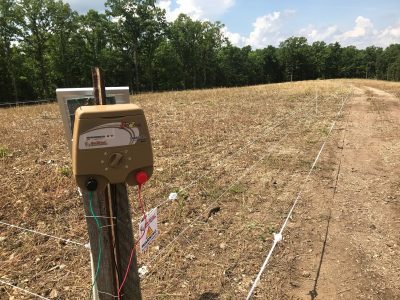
242, 151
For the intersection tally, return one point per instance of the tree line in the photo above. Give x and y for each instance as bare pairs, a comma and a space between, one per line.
44, 44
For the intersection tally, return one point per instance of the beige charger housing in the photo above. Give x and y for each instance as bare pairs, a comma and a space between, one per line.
111, 143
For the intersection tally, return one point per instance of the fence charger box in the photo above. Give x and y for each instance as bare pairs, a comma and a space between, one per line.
111, 143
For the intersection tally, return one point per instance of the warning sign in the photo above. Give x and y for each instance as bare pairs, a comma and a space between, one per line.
148, 229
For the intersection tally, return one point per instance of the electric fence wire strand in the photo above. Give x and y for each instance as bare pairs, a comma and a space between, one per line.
280, 169
278, 236
265, 130
212, 204
221, 164
67, 241
23, 290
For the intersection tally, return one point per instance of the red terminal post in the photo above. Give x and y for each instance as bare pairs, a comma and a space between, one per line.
141, 177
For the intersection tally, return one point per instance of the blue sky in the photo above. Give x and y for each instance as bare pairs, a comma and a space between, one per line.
260, 23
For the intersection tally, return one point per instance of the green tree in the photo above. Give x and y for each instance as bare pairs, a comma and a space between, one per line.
211, 41
197, 44
185, 36
394, 70
168, 68
233, 65
256, 66
9, 33
320, 53
296, 58
101, 45
64, 26
385, 59
333, 61
37, 26
272, 69
155, 33
352, 63
371, 55
141, 25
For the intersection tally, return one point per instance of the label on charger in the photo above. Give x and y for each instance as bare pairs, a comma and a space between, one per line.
109, 135
148, 229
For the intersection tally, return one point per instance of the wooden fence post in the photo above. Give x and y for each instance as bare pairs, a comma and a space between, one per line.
113, 213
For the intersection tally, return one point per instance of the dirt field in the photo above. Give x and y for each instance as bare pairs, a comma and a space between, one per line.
238, 158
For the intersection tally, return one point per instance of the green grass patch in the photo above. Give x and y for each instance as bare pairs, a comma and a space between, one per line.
4, 152
65, 171
238, 189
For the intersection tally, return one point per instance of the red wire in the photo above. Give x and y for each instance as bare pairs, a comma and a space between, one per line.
134, 247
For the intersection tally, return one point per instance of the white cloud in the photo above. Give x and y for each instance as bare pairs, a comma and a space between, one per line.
266, 31
313, 34
392, 31
363, 34
165, 4
235, 38
363, 27
196, 9
389, 35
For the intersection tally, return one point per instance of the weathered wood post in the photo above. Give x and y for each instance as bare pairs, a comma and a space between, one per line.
112, 210
117, 231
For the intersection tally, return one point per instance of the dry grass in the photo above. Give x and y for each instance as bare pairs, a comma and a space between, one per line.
391, 87
217, 134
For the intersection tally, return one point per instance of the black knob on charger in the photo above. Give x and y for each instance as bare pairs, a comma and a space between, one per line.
91, 184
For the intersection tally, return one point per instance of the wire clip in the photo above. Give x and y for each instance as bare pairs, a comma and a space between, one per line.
143, 271
173, 196
277, 237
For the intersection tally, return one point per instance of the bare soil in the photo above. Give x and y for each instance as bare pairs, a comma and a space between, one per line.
238, 157
348, 238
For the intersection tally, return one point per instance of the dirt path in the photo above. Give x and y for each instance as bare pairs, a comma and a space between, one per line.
348, 242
